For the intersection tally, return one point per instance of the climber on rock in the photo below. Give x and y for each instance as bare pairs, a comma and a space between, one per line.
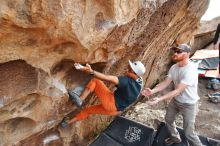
111, 103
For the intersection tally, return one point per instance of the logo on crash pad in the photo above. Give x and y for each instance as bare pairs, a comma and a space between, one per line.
133, 134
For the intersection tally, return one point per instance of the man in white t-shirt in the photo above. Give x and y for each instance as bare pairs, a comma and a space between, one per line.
184, 97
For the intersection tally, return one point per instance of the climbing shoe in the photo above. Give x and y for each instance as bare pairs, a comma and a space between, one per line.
64, 122
75, 98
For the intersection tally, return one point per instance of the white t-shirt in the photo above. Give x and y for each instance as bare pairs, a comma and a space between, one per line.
187, 75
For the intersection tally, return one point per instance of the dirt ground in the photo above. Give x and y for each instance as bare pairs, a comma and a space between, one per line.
207, 121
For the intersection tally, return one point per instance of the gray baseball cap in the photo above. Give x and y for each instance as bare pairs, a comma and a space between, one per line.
183, 48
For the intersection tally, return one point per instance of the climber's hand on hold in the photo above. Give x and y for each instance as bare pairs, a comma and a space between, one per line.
86, 68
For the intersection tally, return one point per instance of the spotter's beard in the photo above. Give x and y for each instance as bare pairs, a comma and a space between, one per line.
176, 58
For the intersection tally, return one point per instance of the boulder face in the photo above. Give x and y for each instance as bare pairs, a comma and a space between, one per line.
40, 41
205, 34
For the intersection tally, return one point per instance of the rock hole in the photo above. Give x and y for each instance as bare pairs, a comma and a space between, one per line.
70, 76
14, 127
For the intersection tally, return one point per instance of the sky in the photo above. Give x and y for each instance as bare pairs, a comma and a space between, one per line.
212, 11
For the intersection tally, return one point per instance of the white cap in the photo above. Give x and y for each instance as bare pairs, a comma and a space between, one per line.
137, 67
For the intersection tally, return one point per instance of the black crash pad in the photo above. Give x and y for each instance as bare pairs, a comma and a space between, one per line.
105, 140
126, 133
162, 134
209, 141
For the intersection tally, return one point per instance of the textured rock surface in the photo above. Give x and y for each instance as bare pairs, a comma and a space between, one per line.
205, 33
208, 26
40, 40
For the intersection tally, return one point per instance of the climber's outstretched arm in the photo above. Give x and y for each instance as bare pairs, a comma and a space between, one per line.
101, 76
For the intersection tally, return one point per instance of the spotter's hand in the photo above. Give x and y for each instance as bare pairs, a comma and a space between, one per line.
146, 92
153, 101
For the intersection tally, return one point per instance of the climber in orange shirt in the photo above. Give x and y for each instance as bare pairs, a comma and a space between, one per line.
128, 89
